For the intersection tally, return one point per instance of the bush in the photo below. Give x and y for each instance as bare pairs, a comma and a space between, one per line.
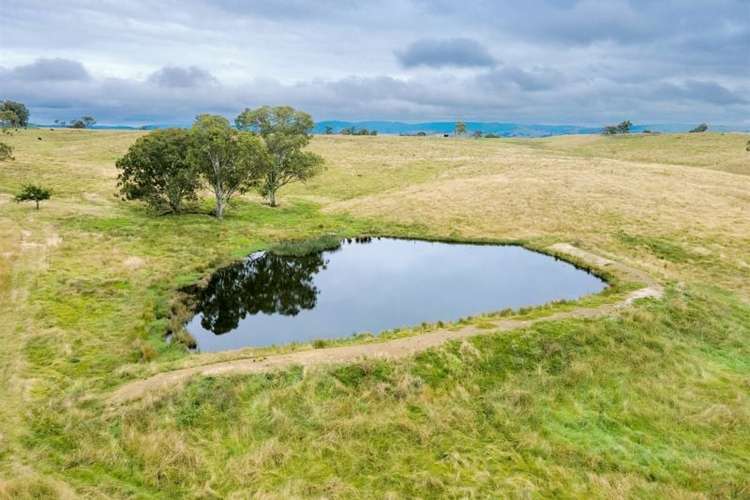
699, 129
6, 151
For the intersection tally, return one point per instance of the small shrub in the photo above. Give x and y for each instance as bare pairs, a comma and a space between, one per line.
6, 151
699, 129
32, 192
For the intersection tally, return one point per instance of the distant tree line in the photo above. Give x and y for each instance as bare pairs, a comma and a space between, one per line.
357, 131
167, 168
82, 122
621, 128
350, 131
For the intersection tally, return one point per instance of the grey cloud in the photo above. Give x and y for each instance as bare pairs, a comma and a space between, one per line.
60, 70
178, 77
576, 61
536, 79
705, 91
438, 53
495, 95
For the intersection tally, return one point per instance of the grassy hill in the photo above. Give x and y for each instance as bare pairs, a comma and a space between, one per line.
651, 402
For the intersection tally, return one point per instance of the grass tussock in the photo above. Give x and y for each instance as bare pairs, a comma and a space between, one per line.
306, 247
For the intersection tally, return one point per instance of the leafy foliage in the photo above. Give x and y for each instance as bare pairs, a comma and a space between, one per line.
621, 128
83, 122
700, 128
231, 161
460, 128
285, 132
33, 192
18, 109
6, 151
357, 131
8, 121
156, 169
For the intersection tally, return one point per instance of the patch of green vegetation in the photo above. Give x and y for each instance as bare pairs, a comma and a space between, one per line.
306, 247
567, 406
661, 247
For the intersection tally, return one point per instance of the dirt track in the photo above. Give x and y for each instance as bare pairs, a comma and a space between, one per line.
392, 349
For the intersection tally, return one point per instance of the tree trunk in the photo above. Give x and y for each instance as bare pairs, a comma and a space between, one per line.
272, 198
37, 204
219, 206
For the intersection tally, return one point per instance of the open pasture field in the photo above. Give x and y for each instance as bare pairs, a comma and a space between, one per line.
650, 401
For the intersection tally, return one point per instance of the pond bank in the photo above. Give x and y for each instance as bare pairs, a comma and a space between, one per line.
392, 349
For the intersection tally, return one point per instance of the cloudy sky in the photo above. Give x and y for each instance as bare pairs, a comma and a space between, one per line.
531, 61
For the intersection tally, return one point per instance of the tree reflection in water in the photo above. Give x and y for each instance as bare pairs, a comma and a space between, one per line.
263, 283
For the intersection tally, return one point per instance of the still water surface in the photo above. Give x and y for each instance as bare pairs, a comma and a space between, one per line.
373, 285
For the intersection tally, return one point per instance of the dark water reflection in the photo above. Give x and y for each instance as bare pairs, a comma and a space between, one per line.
372, 286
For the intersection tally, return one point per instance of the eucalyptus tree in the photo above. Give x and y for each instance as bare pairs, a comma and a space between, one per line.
231, 161
285, 132
20, 111
156, 170
8, 121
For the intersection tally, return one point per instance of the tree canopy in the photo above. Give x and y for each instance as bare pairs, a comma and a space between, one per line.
285, 132
156, 169
621, 128
231, 161
8, 121
460, 128
20, 111
83, 122
33, 192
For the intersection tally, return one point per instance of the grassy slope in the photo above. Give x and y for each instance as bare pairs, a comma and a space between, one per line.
651, 403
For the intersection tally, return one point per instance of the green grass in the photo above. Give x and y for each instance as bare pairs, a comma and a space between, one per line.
306, 247
651, 402
544, 411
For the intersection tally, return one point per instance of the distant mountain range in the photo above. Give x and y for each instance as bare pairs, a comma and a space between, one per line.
497, 128
430, 128
437, 128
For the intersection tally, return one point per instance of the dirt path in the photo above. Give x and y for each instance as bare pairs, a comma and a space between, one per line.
392, 349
